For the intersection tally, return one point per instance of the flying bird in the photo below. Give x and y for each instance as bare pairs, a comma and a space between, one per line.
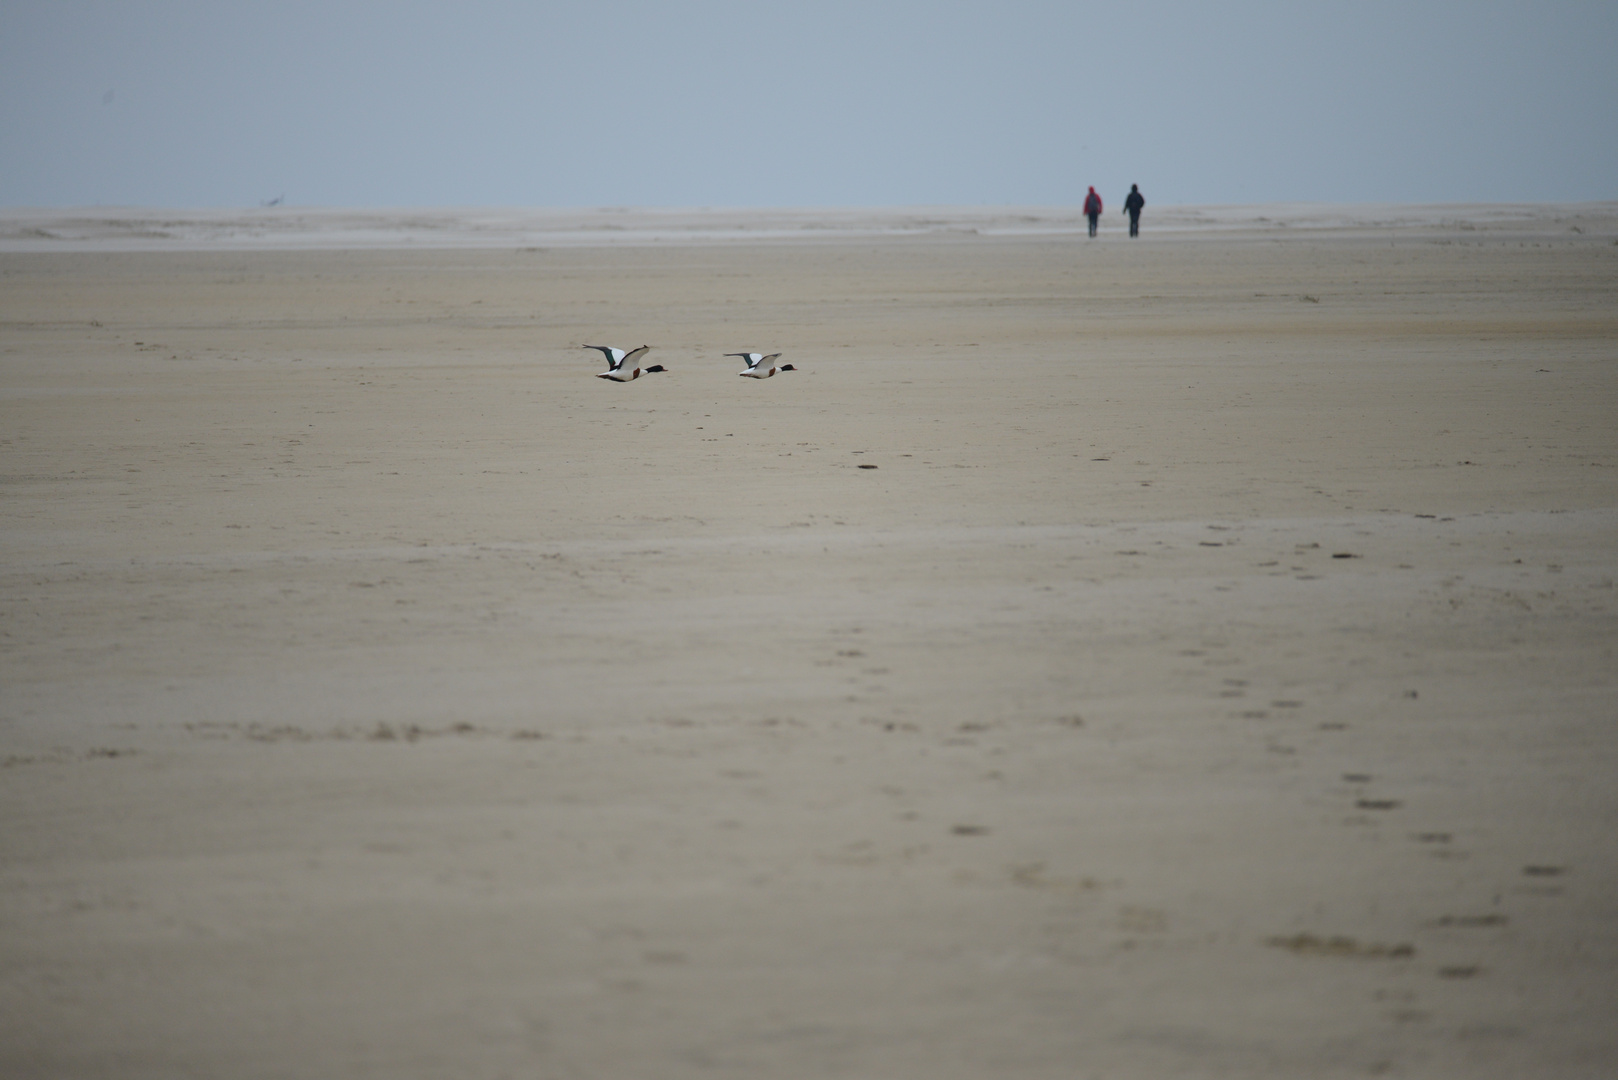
760, 366
622, 366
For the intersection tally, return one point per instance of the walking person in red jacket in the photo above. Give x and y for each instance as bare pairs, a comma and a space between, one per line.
1092, 209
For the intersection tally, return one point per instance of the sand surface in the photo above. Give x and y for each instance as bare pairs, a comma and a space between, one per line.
1185, 657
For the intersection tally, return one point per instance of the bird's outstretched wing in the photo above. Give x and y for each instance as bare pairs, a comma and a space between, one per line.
615, 357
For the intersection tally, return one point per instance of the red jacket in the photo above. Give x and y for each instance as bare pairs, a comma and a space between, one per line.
1092, 203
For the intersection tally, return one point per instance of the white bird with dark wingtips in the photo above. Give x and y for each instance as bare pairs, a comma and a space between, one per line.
621, 366
760, 366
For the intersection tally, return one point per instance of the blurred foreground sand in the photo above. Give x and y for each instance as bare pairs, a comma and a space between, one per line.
1189, 657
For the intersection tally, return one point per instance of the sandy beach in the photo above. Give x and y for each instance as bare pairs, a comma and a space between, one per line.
1194, 656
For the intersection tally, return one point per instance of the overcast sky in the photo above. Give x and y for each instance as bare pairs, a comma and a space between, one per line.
348, 103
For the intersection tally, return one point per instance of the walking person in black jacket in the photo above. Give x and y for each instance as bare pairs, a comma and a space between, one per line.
1132, 207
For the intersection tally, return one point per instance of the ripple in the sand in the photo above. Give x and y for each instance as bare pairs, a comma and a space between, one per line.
1472, 922
1310, 945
